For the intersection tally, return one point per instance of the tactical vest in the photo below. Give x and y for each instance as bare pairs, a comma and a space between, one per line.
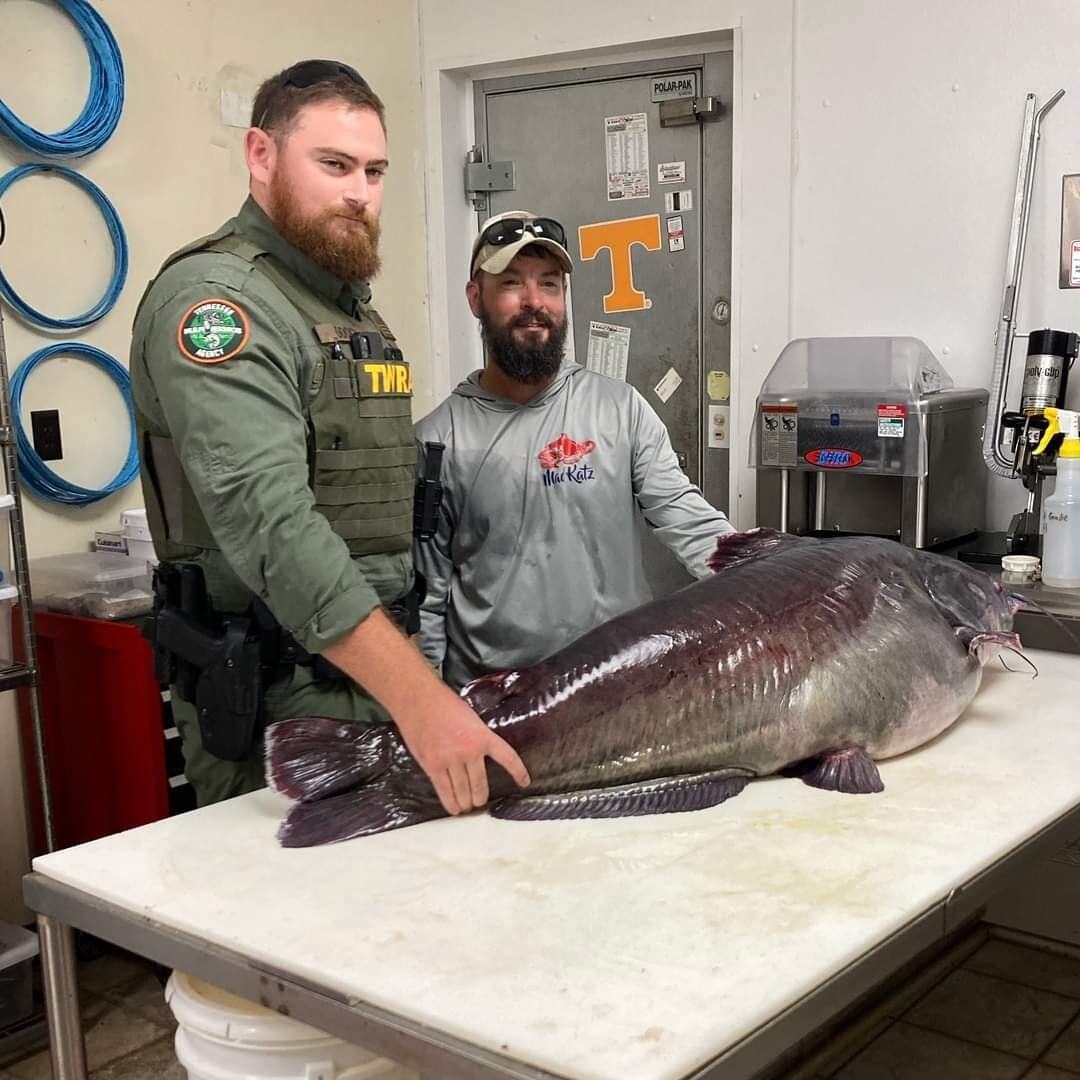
361, 451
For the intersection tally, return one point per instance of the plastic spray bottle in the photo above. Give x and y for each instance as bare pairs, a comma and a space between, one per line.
1061, 511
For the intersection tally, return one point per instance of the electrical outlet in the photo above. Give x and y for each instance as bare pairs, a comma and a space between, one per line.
46, 427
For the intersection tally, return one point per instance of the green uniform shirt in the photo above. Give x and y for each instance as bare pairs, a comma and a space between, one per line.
233, 399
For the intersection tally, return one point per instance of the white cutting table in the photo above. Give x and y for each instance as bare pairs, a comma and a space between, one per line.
655, 948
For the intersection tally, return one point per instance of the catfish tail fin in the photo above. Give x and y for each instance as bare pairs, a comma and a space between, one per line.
360, 812
311, 757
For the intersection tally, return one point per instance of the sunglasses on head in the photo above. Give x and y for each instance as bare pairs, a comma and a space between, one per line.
309, 72
312, 72
509, 230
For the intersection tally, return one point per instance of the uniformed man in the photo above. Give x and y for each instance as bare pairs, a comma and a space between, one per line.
274, 413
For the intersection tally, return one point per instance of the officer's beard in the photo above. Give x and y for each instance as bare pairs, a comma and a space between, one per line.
347, 248
532, 363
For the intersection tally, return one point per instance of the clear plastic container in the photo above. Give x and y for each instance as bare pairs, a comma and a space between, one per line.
98, 584
1061, 528
18, 947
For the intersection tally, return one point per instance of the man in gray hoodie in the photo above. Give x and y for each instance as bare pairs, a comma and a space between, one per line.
546, 465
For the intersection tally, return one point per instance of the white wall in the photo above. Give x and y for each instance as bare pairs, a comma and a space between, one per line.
174, 171
908, 119
875, 158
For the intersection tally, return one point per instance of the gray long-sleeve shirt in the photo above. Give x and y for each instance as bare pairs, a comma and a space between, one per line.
537, 541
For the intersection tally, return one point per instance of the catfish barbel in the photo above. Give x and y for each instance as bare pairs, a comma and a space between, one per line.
811, 657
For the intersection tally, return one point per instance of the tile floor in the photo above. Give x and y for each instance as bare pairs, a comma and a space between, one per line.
1009, 1011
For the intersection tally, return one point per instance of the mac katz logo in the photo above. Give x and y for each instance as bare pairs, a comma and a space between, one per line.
562, 461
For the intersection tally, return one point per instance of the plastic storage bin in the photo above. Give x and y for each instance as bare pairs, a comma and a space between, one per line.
98, 584
18, 947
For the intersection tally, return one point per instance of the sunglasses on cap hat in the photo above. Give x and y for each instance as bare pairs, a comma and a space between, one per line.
511, 229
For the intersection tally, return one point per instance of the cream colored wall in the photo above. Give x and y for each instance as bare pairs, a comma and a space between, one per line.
174, 171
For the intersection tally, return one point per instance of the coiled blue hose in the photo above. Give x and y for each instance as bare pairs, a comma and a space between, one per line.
33, 472
120, 254
104, 103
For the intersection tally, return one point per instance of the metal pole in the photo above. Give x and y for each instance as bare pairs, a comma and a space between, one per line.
20, 561
1014, 267
819, 502
62, 999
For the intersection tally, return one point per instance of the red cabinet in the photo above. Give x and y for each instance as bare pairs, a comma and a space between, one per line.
103, 729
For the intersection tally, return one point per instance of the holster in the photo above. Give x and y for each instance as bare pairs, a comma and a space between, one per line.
221, 663
215, 662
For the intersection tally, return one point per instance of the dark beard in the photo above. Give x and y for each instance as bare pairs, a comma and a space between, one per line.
531, 364
349, 252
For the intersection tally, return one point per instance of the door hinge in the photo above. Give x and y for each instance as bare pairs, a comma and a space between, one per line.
483, 177
690, 110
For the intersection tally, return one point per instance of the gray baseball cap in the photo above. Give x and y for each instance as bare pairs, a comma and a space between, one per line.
496, 257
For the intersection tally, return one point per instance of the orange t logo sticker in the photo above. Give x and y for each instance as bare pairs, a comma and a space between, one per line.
619, 237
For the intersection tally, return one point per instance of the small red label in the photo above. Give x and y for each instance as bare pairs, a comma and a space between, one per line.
834, 457
892, 412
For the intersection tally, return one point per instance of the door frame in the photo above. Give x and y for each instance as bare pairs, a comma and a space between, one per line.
715, 274
460, 46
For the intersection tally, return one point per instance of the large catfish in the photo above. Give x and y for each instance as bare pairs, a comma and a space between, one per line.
812, 657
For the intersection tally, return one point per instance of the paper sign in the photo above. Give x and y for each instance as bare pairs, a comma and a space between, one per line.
671, 172
627, 156
668, 385
609, 349
676, 238
236, 109
718, 385
719, 424
674, 201
1074, 276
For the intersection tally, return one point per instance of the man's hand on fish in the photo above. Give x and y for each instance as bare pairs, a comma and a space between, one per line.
453, 750
442, 732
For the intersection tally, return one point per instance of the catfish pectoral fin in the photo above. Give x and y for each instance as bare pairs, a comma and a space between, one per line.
360, 812
851, 770
664, 795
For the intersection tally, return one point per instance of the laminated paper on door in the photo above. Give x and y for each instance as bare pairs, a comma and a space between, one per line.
627, 143
609, 349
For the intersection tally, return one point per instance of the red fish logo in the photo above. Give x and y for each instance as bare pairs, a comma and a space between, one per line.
564, 451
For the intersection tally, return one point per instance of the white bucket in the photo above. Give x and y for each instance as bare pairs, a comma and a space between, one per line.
225, 1037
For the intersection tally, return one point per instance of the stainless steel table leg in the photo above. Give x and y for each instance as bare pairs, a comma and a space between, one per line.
66, 1045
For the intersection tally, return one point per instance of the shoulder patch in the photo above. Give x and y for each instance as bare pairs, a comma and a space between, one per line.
212, 330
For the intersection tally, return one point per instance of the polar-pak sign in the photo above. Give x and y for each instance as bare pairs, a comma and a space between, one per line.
674, 86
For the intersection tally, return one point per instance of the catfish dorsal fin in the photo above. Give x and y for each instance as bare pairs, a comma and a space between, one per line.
739, 547
489, 690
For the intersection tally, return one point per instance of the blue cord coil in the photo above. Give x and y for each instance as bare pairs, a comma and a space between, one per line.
120, 254
37, 477
104, 103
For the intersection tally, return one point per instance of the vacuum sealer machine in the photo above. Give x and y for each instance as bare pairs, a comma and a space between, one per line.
868, 436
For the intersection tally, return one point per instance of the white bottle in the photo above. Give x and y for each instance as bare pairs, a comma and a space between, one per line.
1061, 511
